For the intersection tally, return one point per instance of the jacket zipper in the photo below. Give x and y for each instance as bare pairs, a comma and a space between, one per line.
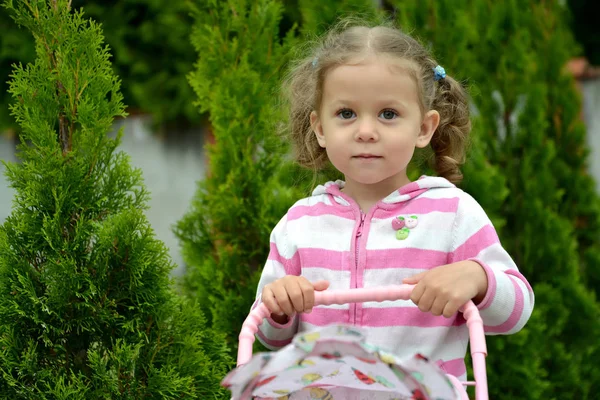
357, 255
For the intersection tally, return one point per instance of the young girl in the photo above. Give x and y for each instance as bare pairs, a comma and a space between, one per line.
364, 101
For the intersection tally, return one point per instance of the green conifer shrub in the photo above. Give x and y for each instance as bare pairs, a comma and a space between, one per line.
15, 45
86, 307
151, 53
316, 17
527, 167
225, 234
529, 126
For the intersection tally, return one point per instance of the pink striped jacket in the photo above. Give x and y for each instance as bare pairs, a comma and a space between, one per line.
326, 236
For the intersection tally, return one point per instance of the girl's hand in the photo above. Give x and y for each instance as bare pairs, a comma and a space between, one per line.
290, 294
443, 290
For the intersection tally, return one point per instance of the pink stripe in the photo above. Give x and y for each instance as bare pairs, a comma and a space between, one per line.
454, 367
411, 187
420, 206
322, 258
406, 258
273, 343
325, 316
291, 266
319, 209
381, 317
376, 259
480, 240
519, 276
405, 316
514, 317
275, 256
491, 291
277, 325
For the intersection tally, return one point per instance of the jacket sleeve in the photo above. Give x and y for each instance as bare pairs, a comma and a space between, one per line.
280, 262
509, 299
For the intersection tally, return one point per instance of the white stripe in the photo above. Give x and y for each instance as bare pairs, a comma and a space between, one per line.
527, 307
497, 258
272, 271
438, 219
322, 232
313, 200
338, 280
386, 277
502, 304
434, 182
433, 232
442, 193
277, 334
470, 219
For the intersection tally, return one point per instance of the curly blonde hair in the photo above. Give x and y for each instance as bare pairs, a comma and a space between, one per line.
347, 42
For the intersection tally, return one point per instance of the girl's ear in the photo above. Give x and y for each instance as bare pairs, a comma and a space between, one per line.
431, 120
315, 123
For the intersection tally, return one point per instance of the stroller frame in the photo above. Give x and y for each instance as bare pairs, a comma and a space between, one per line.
394, 292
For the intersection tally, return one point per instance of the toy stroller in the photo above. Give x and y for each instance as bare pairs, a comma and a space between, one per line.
337, 363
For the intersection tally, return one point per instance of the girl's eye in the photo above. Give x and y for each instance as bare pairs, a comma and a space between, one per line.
346, 113
388, 114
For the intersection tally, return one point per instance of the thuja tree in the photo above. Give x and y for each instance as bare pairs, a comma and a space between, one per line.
15, 45
316, 17
225, 234
152, 54
251, 181
528, 124
86, 308
150, 50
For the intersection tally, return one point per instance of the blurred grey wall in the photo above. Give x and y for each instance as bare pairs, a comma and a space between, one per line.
591, 114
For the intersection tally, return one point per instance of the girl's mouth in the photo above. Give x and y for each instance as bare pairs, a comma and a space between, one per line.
367, 157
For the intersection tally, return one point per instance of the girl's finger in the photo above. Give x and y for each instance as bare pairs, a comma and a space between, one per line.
417, 292
426, 301
269, 300
451, 308
294, 292
320, 285
308, 294
438, 307
412, 280
283, 300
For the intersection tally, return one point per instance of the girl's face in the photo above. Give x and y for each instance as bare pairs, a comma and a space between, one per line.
370, 122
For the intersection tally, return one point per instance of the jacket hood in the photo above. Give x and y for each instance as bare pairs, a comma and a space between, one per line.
405, 193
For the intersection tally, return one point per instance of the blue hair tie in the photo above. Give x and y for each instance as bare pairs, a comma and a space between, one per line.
439, 73
315, 61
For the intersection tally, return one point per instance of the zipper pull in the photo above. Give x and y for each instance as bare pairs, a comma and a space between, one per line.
360, 226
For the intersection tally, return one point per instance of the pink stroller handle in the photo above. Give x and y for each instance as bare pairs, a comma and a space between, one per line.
360, 295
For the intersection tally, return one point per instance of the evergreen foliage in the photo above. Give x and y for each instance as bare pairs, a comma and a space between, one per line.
527, 167
225, 234
529, 126
318, 16
86, 307
16, 45
151, 53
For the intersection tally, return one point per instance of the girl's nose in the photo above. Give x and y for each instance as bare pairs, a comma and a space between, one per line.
367, 131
